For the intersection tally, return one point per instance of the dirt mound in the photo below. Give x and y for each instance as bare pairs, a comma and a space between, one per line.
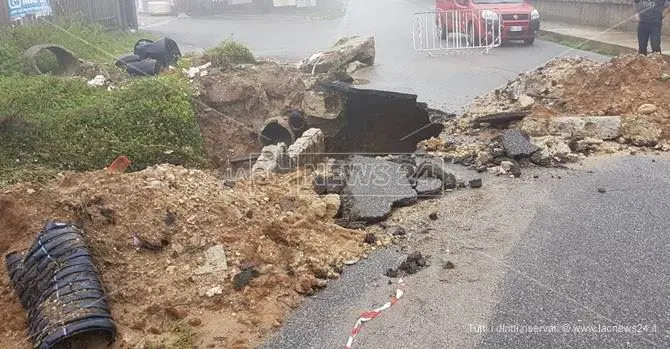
634, 88
191, 292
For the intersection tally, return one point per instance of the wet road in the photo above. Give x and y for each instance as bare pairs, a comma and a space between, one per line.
443, 81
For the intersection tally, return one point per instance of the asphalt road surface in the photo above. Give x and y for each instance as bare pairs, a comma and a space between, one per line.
446, 81
539, 261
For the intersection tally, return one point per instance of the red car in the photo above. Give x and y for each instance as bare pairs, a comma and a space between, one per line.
488, 21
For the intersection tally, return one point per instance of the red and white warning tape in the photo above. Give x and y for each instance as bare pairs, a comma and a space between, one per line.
373, 314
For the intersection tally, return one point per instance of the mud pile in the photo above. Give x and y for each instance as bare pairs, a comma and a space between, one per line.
226, 260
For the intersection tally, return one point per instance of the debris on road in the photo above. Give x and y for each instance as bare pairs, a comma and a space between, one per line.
579, 107
602, 190
414, 262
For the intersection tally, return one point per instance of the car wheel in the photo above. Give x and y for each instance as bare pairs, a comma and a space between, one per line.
529, 41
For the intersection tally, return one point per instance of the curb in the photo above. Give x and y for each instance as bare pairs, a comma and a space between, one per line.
601, 47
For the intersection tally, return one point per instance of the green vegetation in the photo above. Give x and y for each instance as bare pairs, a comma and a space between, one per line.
586, 45
87, 41
59, 123
229, 52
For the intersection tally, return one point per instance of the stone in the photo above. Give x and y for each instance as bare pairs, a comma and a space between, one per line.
511, 168
601, 127
270, 159
333, 204
553, 149
476, 183
215, 261
242, 279
396, 231
448, 265
355, 66
305, 285
319, 207
370, 239
642, 132
213, 291
433, 216
374, 187
428, 187
195, 322
647, 109
526, 101
345, 51
177, 313
308, 149
542, 157
602, 190
516, 144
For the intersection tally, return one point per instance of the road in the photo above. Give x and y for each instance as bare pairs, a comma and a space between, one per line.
546, 251
444, 81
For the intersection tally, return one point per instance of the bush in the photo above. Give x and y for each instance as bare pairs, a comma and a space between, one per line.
62, 123
227, 53
99, 45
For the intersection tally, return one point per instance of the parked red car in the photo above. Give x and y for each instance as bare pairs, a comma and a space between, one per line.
489, 20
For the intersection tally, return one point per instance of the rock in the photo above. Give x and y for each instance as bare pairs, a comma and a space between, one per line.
195, 322
413, 263
647, 109
319, 207
305, 285
242, 279
601, 127
373, 187
332, 204
586, 144
214, 291
215, 261
516, 144
542, 157
428, 187
642, 132
177, 313
602, 190
430, 169
526, 101
476, 183
345, 51
396, 231
511, 168
355, 66
392, 273
448, 265
433, 216
370, 238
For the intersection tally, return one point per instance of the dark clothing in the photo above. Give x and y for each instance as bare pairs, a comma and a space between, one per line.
649, 33
650, 11
649, 28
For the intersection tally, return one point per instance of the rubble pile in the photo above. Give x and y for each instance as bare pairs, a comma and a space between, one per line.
180, 251
561, 112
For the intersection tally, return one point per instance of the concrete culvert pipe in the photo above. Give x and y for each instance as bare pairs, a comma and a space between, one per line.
276, 130
68, 64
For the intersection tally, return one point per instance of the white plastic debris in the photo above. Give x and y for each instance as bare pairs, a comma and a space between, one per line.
98, 81
195, 71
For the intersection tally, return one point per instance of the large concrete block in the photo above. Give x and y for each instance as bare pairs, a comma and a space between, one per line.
308, 149
601, 127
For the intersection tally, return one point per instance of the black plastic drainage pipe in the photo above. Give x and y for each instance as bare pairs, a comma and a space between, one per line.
60, 288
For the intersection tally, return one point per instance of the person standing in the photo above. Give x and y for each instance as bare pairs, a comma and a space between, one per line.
649, 14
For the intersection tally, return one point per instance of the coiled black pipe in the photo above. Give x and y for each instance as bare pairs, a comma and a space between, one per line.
60, 288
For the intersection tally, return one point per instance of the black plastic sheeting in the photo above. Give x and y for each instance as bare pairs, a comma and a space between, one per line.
60, 288
165, 51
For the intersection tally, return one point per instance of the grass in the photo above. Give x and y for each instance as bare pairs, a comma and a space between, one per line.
585, 45
50, 124
229, 52
87, 41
